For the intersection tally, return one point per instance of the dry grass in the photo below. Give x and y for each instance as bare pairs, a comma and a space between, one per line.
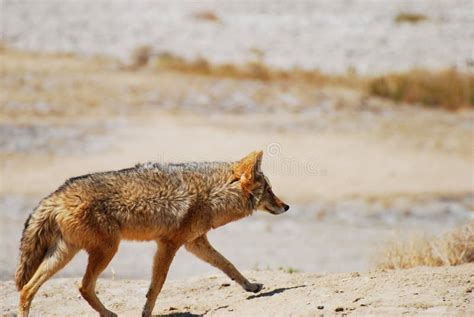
57, 85
253, 70
208, 16
71, 84
410, 17
447, 89
453, 248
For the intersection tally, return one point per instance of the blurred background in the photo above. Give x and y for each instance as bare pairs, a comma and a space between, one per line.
364, 110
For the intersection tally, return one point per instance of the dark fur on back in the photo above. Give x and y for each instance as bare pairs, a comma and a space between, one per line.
27, 222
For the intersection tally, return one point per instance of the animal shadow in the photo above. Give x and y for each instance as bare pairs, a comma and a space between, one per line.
178, 314
274, 292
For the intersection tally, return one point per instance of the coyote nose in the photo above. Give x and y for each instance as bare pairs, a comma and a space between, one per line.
286, 207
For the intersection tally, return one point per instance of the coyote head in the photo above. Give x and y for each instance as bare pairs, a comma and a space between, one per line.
256, 185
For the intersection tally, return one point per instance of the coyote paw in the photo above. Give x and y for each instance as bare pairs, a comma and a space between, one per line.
253, 287
146, 313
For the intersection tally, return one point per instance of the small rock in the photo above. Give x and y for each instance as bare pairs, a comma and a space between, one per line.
339, 309
321, 307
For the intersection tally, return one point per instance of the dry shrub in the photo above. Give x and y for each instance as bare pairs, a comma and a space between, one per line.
447, 89
206, 16
256, 70
453, 248
226, 70
410, 17
169, 61
141, 56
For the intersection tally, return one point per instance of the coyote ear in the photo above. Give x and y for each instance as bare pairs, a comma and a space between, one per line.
258, 161
246, 168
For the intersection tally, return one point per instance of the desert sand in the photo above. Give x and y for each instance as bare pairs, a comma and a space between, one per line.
419, 291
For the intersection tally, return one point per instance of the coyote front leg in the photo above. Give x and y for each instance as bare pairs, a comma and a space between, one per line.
204, 250
161, 264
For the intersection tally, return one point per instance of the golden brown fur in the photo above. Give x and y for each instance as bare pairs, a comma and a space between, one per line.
172, 204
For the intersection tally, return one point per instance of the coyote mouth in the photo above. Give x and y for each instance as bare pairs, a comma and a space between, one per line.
275, 212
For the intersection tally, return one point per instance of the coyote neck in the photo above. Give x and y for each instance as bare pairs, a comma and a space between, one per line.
224, 217
229, 204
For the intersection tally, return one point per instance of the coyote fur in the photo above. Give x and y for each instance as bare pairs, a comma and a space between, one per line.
172, 204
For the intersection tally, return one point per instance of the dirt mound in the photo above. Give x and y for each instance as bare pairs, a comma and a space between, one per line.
423, 290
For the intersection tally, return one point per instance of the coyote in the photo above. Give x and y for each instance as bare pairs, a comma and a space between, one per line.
172, 204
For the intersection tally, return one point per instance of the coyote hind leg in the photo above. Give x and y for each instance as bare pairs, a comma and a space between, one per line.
55, 259
99, 258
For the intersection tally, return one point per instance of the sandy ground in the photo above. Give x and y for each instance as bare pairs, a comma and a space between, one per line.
446, 291
332, 36
319, 164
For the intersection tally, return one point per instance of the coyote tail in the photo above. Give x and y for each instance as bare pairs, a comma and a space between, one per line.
39, 233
